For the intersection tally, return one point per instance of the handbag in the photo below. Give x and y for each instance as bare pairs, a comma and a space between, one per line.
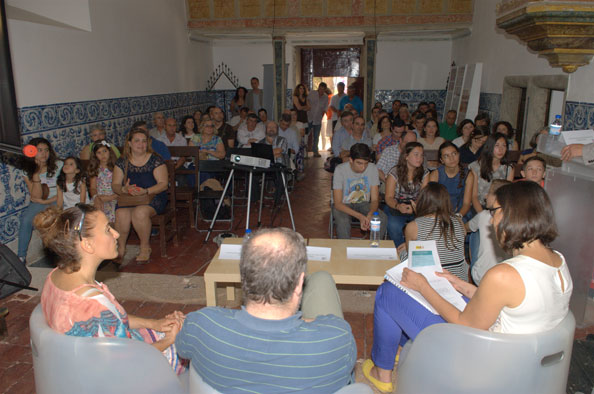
127, 200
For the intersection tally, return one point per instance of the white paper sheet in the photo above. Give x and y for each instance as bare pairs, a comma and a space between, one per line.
318, 253
371, 253
578, 136
230, 252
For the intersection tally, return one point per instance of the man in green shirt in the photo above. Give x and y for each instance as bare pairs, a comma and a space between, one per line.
447, 129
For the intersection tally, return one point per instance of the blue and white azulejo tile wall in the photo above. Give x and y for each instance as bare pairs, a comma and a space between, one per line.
412, 98
578, 115
491, 104
67, 126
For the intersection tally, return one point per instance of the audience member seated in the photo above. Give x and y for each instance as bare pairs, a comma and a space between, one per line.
396, 104
403, 184
356, 137
404, 115
40, 174
197, 115
291, 135
430, 138
139, 172
372, 124
159, 122
482, 119
187, 128
534, 170
489, 250
263, 116
423, 107
245, 349
74, 303
252, 131
72, 188
418, 122
343, 132
397, 129
391, 154
355, 189
97, 134
490, 165
100, 175
223, 130
435, 221
172, 138
456, 178
448, 129
431, 114
526, 153
353, 99
465, 129
384, 129
280, 147
157, 146
471, 150
211, 146
238, 101
238, 121
507, 130
529, 293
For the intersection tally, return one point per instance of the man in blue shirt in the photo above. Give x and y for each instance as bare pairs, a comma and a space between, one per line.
269, 346
352, 99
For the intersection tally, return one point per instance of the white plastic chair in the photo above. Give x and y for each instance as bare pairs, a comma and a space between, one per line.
453, 359
65, 364
197, 385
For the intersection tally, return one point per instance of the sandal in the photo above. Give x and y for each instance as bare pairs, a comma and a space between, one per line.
144, 256
381, 386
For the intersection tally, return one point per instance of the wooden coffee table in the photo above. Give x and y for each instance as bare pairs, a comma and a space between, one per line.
343, 270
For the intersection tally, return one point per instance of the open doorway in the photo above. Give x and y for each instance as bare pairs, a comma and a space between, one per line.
329, 65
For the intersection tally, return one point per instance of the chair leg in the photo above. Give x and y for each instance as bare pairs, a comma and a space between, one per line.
163, 238
175, 229
191, 209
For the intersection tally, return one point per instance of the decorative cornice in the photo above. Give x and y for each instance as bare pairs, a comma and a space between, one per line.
562, 32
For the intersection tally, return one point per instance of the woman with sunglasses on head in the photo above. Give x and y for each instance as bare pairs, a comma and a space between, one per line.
73, 302
528, 293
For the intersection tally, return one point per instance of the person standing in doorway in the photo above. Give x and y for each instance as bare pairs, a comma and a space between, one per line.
335, 103
318, 103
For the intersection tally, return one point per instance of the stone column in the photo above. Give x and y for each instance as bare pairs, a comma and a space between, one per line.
368, 71
280, 86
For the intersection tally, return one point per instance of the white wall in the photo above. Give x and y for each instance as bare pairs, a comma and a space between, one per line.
244, 58
135, 48
580, 85
417, 65
501, 54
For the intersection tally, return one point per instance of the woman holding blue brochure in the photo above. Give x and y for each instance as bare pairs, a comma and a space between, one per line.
525, 294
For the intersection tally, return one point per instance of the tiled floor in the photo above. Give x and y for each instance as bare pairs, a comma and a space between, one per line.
310, 201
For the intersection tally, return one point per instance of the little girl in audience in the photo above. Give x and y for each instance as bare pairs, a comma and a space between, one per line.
71, 188
100, 172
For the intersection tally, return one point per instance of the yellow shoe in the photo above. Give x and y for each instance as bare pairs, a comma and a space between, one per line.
381, 386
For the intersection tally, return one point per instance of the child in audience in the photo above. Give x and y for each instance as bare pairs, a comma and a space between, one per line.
489, 251
99, 173
71, 188
534, 169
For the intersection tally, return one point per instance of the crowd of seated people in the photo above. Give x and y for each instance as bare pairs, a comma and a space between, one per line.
379, 167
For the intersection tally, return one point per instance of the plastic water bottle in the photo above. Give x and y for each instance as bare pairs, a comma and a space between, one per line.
248, 234
375, 226
555, 126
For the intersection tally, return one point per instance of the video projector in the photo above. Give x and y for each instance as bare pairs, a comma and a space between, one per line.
249, 161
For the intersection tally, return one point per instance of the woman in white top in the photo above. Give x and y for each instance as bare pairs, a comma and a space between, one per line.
526, 294
465, 129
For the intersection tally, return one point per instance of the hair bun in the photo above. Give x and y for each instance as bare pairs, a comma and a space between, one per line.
45, 222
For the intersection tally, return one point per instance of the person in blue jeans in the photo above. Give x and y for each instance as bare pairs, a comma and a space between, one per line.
403, 184
40, 172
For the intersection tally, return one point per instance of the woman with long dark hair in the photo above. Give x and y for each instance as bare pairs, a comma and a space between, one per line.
506, 129
490, 165
464, 130
471, 150
40, 175
188, 128
238, 101
526, 294
455, 177
403, 184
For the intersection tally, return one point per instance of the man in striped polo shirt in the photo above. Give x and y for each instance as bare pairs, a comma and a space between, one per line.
271, 345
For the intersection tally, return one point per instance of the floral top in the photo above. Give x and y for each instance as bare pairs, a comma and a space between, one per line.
97, 315
210, 146
104, 189
401, 194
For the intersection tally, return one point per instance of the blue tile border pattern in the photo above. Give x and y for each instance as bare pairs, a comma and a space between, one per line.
578, 115
66, 126
412, 98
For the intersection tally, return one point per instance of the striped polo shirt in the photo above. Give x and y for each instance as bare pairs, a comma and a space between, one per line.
235, 352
